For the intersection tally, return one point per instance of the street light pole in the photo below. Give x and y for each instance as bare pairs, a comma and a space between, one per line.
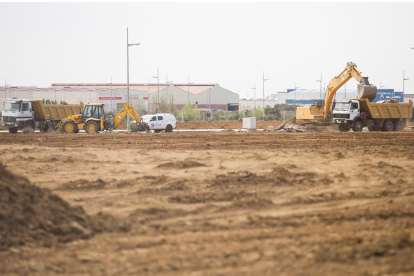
134, 44
254, 99
158, 78
111, 95
404, 79
188, 88
320, 87
264, 96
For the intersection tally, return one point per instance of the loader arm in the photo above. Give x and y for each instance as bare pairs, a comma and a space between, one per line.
127, 109
351, 71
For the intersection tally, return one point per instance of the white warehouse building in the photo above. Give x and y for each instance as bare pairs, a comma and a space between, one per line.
205, 96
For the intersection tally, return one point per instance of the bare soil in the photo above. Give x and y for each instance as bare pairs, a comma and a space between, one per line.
325, 203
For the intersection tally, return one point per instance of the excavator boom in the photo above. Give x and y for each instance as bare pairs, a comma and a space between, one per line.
365, 90
131, 111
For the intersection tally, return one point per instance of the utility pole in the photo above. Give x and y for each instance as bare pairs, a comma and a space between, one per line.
404, 79
320, 87
264, 96
111, 95
158, 79
134, 44
254, 99
188, 88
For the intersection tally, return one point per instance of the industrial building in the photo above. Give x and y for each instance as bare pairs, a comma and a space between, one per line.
205, 96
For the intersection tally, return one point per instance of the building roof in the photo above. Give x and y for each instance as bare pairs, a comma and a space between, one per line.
150, 88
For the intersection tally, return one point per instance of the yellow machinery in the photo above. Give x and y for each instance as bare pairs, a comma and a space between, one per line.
93, 119
321, 111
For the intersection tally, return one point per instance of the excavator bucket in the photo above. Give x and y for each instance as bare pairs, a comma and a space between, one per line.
365, 91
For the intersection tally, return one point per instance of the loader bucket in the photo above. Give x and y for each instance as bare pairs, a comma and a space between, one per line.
367, 91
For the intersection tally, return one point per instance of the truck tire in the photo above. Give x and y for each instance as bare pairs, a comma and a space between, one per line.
399, 126
69, 127
29, 124
91, 127
13, 130
358, 126
388, 126
168, 128
343, 128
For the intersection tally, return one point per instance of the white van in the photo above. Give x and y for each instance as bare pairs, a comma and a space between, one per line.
160, 121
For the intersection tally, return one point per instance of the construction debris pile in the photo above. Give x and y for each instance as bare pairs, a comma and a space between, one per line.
286, 127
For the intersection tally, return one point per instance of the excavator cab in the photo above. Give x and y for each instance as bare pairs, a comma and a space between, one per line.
93, 111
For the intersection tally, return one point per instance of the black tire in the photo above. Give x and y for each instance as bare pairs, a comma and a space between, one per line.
157, 130
91, 127
343, 128
13, 130
69, 127
388, 126
358, 126
399, 126
168, 128
29, 124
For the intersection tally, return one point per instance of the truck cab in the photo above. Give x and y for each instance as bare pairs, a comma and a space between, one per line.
17, 114
347, 114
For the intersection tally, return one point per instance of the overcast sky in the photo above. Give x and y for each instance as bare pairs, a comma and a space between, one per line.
230, 44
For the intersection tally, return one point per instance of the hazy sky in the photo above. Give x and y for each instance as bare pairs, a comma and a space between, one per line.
230, 44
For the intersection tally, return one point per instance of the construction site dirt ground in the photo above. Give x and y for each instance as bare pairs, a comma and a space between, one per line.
325, 203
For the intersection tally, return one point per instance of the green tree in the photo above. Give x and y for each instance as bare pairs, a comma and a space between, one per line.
258, 112
189, 112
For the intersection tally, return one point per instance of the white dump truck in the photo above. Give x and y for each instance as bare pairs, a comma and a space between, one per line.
20, 113
359, 113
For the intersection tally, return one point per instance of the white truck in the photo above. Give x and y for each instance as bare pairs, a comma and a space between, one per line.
359, 113
21, 113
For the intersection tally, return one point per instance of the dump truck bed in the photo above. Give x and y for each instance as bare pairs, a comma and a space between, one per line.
387, 110
55, 111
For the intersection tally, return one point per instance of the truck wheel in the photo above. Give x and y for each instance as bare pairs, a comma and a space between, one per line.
399, 126
91, 127
388, 126
69, 127
168, 128
358, 126
343, 128
13, 130
29, 124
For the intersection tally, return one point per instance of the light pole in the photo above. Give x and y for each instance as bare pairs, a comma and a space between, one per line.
254, 99
320, 87
264, 96
158, 79
111, 95
209, 106
188, 87
294, 95
134, 44
404, 79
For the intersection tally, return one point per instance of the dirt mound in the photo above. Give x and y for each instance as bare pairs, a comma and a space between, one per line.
180, 165
32, 214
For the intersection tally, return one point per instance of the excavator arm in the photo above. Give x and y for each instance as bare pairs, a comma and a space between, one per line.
351, 71
127, 110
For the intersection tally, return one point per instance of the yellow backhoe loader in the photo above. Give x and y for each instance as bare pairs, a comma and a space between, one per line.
93, 119
321, 110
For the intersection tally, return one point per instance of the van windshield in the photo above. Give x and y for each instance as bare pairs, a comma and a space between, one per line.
341, 106
11, 106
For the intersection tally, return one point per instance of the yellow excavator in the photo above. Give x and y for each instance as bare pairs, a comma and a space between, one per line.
92, 119
321, 110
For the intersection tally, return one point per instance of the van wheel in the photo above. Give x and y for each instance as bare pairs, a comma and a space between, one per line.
91, 127
388, 126
358, 126
399, 126
168, 128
